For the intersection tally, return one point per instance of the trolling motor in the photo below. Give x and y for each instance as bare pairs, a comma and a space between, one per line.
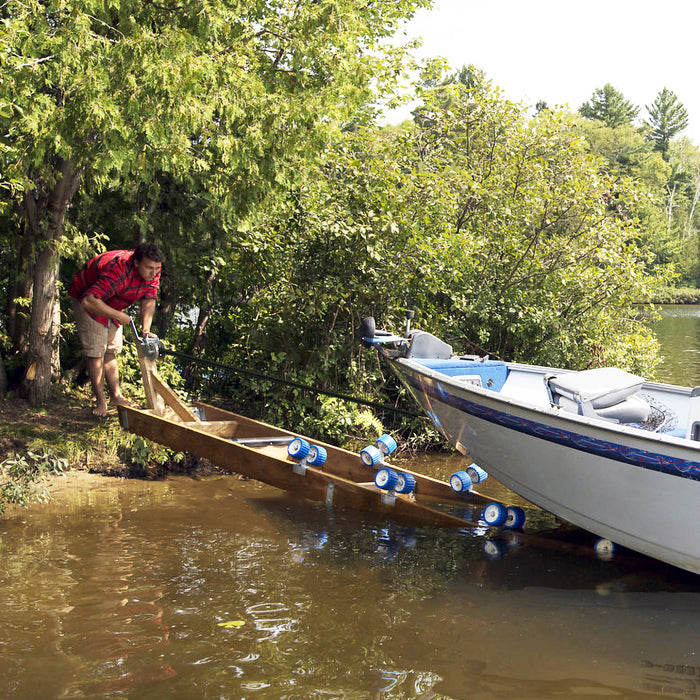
415, 343
151, 348
371, 336
409, 317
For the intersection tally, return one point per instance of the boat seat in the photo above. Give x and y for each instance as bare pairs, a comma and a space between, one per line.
422, 344
605, 392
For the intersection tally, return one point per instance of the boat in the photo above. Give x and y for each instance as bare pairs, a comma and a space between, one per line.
602, 449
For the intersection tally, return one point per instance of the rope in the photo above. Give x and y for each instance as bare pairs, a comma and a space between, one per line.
285, 382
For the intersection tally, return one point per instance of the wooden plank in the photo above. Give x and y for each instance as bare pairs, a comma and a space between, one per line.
158, 394
342, 462
221, 428
148, 367
269, 467
171, 398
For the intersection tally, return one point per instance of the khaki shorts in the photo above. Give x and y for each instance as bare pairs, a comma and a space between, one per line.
96, 339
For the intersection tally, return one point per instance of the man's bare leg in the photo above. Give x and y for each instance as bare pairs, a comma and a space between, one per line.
96, 372
111, 370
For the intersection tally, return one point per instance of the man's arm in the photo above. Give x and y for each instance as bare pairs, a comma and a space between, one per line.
96, 306
148, 307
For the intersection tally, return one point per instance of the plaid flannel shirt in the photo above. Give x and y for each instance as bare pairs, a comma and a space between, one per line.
113, 278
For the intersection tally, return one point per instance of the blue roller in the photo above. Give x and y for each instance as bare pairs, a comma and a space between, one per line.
317, 456
406, 483
298, 448
495, 514
386, 444
515, 519
370, 456
476, 473
386, 479
460, 482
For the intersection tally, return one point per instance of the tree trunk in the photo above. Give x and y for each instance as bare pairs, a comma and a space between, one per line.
166, 306
199, 344
3, 379
56, 340
691, 215
37, 378
669, 208
18, 313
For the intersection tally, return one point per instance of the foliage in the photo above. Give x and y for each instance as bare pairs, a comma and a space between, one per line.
609, 106
145, 459
130, 373
146, 103
665, 167
241, 138
677, 295
22, 477
667, 118
343, 423
628, 154
504, 234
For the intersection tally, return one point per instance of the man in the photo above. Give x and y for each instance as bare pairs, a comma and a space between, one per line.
100, 291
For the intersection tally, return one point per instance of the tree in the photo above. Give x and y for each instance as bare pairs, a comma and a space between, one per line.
609, 106
667, 118
471, 77
504, 234
217, 98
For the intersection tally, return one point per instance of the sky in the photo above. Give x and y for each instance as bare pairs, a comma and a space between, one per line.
561, 51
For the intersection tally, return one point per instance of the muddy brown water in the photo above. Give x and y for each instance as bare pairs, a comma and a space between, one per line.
223, 588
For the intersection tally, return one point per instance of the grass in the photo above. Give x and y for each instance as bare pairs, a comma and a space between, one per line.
66, 425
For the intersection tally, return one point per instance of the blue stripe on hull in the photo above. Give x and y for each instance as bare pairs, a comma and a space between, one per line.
602, 448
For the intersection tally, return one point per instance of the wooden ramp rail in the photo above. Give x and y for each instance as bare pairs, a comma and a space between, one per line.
158, 394
258, 450
271, 465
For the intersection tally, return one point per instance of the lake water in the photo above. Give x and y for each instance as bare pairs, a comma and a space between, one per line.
226, 588
678, 330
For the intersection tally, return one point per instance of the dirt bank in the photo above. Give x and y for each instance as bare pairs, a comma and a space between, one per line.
96, 445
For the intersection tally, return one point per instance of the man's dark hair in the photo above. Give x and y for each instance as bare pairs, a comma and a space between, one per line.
150, 251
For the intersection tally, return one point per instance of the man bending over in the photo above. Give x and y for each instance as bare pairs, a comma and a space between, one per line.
100, 292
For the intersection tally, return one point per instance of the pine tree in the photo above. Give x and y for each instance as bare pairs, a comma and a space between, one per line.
610, 106
667, 118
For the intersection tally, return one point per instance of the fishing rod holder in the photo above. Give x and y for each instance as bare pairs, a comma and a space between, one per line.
151, 348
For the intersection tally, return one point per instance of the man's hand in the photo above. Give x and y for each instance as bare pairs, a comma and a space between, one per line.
122, 318
149, 334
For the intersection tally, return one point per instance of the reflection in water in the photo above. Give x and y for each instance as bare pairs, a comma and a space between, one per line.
223, 588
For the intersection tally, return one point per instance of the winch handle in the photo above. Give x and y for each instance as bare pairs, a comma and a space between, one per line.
136, 333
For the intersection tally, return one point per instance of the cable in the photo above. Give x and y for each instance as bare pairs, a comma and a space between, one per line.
285, 382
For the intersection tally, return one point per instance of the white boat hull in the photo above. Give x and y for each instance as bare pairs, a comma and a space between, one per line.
640, 489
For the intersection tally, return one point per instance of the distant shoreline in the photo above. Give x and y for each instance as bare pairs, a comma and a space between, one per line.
680, 295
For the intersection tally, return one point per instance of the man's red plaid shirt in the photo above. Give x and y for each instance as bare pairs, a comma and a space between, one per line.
113, 278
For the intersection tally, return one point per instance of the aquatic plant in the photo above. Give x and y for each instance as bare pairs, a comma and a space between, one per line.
23, 476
